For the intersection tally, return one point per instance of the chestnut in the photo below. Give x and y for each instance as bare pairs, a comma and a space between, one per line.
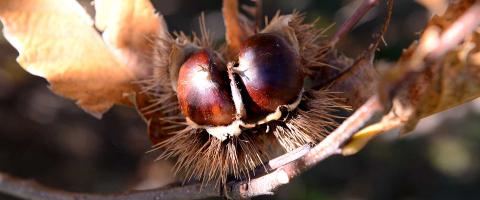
203, 90
269, 68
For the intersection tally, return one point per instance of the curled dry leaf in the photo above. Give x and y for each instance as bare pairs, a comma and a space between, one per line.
432, 75
360, 81
436, 7
238, 26
448, 79
129, 29
56, 40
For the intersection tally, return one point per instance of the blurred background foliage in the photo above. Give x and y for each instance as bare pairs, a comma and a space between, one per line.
49, 139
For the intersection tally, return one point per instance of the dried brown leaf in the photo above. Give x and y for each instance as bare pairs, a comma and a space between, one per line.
238, 27
358, 83
418, 85
433, 84
436, 7
56, 40
129, 29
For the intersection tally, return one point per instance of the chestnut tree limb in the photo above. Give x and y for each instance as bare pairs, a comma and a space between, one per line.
263, 185
360, 12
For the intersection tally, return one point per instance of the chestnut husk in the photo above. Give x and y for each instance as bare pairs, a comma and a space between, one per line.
202, 157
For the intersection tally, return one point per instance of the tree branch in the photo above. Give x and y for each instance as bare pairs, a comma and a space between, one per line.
360, 12
371, 111
433, 45
284, 168
27, 189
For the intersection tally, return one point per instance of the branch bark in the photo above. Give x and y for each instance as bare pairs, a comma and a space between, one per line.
360, 12
282, 171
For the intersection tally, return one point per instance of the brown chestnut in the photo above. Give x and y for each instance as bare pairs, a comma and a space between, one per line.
203, 90
270, 71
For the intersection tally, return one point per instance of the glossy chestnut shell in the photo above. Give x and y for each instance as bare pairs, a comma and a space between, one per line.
203, 90
270, 70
